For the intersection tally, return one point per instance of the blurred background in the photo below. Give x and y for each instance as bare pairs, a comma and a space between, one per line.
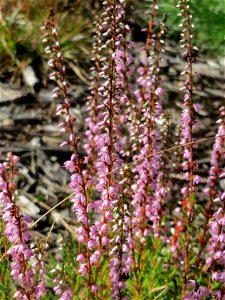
20, 21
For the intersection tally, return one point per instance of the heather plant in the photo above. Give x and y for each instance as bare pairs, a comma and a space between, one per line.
25, 263
128, 243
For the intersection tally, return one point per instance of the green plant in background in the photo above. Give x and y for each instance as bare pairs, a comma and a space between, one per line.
20, 22
209, 16
19, 36
20, 41
209, 20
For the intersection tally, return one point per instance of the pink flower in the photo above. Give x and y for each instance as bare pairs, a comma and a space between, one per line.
17, 232
197, 107
159, 91
67, 295
83, 270
80, 258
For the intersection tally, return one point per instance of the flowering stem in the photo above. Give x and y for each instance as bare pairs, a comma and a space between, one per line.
187, 136
75, 164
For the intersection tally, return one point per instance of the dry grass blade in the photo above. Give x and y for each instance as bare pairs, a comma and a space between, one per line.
50, 210
45, 214
49, 233
158, 289
167, 150
164, 288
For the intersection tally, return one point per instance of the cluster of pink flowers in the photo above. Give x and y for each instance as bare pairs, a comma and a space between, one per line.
216, 224
25, 265
60, 288
147, 189
216, 258
109, 145
126, 202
